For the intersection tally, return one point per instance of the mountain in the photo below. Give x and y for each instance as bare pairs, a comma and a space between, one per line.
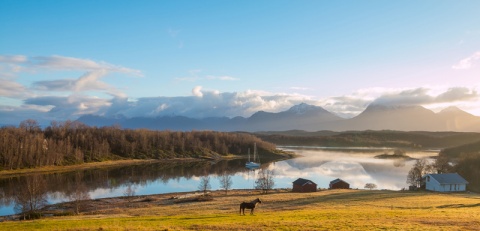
457, 120
298, 117
309, 118
402, 118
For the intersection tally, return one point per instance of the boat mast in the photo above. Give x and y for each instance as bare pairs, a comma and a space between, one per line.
254, 152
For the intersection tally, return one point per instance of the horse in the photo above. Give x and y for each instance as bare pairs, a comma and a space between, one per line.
249, 205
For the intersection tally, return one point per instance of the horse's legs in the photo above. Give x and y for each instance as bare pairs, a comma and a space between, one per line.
251, 211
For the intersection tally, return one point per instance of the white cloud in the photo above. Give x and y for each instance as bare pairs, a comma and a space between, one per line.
225, 78
11, 66
209, 103
12, 89
194, 75
300, 88
425, 96
468, 62
204, 103
197, 91
70, 106
57, 62
13, 58
69, 98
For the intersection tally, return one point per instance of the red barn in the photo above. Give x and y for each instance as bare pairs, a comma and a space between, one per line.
339, 183
304, 185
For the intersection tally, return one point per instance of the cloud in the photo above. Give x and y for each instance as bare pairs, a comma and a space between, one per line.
197, 91
209, 103
224, 78
300, 88
69, 98
60, 63
205, 103
457, 94
12, 89
424, 96
13, 58
406, 97
56, 62
468, 62
11, 66
194, 75
70, 106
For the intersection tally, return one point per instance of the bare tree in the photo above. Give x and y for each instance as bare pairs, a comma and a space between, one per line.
79, 197
419, 169
129, 192
31, 197
204, 185
370, 186
30, 125
225, 181
265, 181
442, 164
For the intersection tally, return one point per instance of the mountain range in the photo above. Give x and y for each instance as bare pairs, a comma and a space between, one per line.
308, 118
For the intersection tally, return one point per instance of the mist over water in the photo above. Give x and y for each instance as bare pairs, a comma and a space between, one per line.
357, 166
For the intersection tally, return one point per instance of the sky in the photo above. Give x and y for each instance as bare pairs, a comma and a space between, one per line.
63, 59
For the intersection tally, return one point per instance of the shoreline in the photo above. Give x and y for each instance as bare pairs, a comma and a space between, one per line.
122, 162
91, 165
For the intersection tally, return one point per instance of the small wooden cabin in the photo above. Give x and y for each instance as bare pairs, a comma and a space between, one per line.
339, 184
304, 185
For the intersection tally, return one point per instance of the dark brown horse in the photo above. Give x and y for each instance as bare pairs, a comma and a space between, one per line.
249, 205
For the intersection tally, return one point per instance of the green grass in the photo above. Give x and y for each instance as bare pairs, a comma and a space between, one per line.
326, 210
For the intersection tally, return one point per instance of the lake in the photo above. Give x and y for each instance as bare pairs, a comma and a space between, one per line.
357, 166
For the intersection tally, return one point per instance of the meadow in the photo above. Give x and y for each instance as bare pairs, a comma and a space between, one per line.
280, 210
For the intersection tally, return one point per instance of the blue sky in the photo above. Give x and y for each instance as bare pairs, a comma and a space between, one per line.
62, 59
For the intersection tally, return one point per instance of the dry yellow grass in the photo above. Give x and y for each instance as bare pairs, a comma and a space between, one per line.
281, 210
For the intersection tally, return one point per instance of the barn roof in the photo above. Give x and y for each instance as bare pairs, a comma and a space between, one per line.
448, 178
302, 182
337, 180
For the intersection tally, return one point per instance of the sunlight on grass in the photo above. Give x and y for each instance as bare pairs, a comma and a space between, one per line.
326, 210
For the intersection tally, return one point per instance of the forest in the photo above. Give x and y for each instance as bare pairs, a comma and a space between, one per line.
466, 159
370, 138
71, 142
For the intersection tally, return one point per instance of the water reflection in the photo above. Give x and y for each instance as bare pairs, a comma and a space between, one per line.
356, 166
321, 165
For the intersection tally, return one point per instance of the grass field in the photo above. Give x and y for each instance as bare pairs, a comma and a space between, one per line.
280, 210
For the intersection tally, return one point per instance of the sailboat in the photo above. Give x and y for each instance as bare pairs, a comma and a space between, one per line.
254, 163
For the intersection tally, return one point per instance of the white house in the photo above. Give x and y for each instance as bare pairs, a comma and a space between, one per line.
447, 182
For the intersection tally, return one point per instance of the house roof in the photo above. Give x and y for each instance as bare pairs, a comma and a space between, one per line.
448, 178
302, 182
337, 180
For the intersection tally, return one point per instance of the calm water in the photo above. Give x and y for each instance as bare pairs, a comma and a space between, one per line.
357, 166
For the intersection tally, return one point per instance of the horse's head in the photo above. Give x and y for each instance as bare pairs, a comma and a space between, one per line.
259, 201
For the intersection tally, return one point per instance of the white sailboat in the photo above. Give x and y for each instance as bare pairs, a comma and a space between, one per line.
254, 163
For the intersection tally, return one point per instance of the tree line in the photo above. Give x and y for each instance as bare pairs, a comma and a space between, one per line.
72, 142
464, 160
